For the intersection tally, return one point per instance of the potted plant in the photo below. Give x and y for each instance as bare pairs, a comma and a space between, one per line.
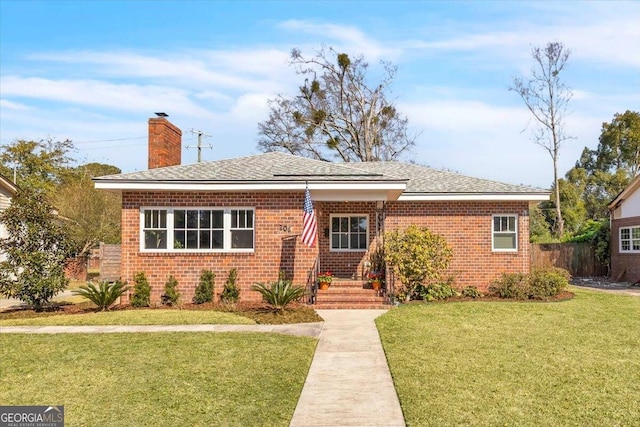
375, 279
325, 279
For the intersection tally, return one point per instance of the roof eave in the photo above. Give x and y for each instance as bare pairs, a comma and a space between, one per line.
531, 197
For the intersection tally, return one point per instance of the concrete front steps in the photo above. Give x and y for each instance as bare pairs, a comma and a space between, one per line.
349, 294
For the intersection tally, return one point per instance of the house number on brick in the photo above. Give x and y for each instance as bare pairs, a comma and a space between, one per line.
285, 229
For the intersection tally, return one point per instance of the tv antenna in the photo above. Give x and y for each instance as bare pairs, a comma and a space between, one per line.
200, 146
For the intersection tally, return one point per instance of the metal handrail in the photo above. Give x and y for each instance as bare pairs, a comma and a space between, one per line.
312, 281
389, 285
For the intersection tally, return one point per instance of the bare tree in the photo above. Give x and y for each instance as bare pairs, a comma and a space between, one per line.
336, 114
547, 99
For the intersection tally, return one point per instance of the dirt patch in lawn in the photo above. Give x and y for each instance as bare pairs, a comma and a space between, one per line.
260, 313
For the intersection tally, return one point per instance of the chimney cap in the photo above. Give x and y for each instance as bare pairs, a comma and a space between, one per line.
161, 114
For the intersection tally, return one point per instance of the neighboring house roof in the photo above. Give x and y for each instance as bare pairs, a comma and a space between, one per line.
327, 181
624, 194
7, 185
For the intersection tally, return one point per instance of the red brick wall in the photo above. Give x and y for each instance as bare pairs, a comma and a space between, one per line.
467, 226
165, 143
275, 249
624, 266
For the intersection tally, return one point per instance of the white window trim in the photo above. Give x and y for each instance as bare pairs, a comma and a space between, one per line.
493, 232
226, 224
349, 215
631, 239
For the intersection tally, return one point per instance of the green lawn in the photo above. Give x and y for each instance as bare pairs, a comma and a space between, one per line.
153, 379
129, 317
568, 363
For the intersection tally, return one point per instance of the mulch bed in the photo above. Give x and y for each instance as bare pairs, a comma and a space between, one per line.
259, 312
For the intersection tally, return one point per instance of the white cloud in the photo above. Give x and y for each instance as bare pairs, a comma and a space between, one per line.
124, 97
348, 38
9, 105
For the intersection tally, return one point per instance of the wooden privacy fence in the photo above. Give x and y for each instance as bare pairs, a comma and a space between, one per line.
110, 262
577, 258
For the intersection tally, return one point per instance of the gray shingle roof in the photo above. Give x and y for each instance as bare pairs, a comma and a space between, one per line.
423, 179
281, 167
273, 166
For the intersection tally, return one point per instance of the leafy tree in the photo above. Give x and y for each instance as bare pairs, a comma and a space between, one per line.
547, 98
35, 250
619, 147
39, 164
337, 112
92, 215
418, 256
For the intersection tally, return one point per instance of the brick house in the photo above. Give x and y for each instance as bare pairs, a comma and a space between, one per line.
246, 213
7, 190
624, 212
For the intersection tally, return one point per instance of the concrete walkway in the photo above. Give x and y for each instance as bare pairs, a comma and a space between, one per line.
349, 383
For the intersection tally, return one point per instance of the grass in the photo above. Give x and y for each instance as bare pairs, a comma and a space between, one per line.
126, 317
179, 379
575, 362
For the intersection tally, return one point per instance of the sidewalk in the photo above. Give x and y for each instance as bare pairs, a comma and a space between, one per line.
349, 383
298, 329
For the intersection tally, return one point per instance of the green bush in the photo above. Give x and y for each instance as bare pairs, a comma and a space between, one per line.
204, 290
230, 292
540, 284
511, 285
436, 291
141, 291
549, 282
104, 295
171, 294
471, 292
418, 257
280, 293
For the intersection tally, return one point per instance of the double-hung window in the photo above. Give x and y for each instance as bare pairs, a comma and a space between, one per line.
629, 239
349, 232
504, 237
197, 229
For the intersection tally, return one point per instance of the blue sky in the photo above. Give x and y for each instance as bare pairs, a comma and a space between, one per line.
95, 71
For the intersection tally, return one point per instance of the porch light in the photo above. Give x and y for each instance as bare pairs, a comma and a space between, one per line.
379, 204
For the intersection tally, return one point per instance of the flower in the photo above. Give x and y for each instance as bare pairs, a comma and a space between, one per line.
325, 277
375, 276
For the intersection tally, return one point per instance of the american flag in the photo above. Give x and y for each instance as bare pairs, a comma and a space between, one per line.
309, 225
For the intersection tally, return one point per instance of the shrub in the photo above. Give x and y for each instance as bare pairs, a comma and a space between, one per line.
418, 256
104, 295
549, 282
540, 284
204, 290
171, 294
141, 291
471, 292
230, 292
280, 293
511, 285
436, 291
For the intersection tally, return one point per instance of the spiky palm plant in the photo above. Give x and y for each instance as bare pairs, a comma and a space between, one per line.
104, 295
280, 293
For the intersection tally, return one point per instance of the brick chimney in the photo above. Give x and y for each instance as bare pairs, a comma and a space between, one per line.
165, 142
